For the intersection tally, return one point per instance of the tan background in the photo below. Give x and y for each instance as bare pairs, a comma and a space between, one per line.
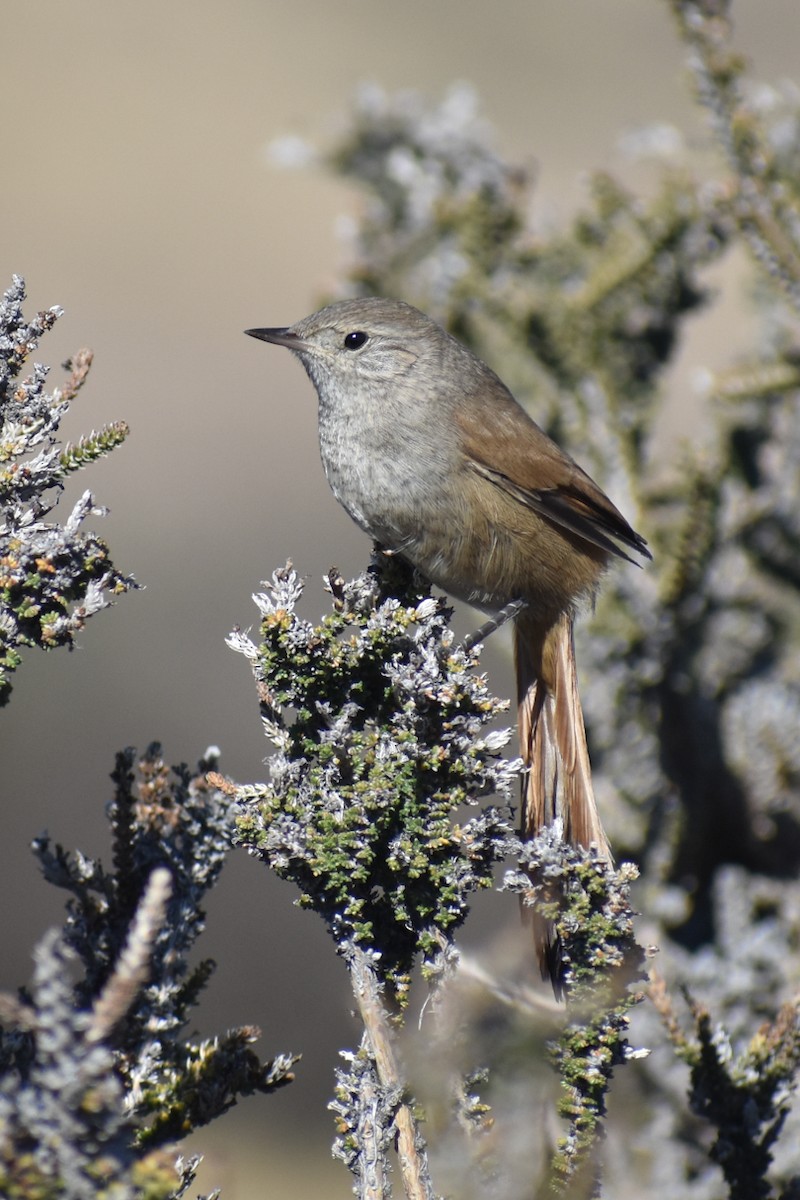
137, 194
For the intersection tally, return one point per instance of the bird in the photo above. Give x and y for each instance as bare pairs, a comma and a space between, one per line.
433, 457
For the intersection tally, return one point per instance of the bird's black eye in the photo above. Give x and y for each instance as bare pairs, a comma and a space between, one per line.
354, 341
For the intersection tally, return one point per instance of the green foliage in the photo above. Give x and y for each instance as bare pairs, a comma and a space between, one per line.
97, 1076
95, 446
377, 719
52, 577
587, 904
745, 1096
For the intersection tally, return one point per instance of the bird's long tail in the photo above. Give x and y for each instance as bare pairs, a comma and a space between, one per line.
552, 736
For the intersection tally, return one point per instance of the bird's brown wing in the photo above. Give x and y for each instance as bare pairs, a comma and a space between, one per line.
528, 466
573, 509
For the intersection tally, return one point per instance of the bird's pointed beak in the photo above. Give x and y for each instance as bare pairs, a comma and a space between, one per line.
284, 336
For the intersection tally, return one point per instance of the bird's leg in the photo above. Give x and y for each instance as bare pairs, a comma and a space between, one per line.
488, 627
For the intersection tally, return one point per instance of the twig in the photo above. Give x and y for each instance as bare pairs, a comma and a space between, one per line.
410, 1147
133, 966
765, 208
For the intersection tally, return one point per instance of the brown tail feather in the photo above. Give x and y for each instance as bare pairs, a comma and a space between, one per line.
558, 783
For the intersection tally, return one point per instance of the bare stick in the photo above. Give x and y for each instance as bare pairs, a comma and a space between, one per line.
410, 1148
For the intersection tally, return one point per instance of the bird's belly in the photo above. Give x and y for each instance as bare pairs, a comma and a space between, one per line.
448, 525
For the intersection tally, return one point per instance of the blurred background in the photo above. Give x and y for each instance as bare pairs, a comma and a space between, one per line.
141, 196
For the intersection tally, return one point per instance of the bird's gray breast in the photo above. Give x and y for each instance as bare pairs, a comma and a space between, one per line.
382, 467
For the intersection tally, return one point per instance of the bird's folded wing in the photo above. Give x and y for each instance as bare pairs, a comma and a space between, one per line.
594, 519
